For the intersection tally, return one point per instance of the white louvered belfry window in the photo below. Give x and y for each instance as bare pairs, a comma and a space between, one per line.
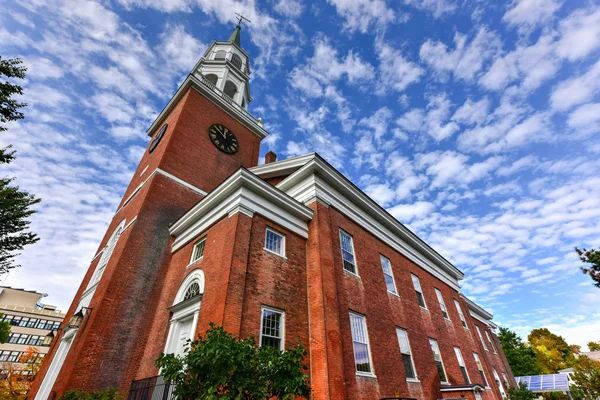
348, 252
271, 329
442, 304
198, 251
275, 242
461, 364
388, 275
460, 314
107, 252
418, 290
480, 368
481, 338
487, 335
360, 341
407, 360
439, 363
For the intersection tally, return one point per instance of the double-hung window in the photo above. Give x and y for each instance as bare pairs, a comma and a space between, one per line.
481, 338
506, 386
388, 274
461, 364
407, 360
348, 252
480, 368
439, 363
23, 339
418, 290
198, 251
487, 335
32, 322
360, 343
498, 383
272, 328
14, 338
275, 242
460, 314
442, 304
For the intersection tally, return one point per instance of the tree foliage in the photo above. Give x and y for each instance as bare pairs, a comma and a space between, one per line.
17, 382
521, 358
586, 377
4, 330
220, 366
552, 351
521, 393
591, 257
108, 394
594, 346
15, 204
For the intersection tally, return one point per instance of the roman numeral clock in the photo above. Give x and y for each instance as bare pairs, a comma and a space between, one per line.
223, 138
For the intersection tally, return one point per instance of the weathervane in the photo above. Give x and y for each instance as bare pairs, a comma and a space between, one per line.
242, 19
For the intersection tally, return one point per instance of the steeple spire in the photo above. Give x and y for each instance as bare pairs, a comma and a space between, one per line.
235, 36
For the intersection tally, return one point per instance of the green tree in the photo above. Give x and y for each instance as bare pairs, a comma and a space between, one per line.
220, 366
4, 330
594, 346
586, 377
15, 204
552, 351
521, 393
521, 358
591, 257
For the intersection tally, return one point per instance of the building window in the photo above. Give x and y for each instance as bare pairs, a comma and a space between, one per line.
106, 253
461, 364
439, 363
506, 385
23, 339
360, 342
460, 314
13, 356
14, 337
480, 368
198, 251
388, 275
481, 338
35, 340
32, 322
418, 290
498, 383
275, 242
192, 291
348, 252
220, 55
409, 365
442, 304
487, 335
236, 60
271, 328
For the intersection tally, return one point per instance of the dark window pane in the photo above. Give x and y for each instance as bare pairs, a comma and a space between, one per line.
464, 374
420, 299
408, 367
441, 372
483, 378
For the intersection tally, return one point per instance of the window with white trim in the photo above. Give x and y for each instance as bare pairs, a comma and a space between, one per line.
275, 242
480, 368
460, 314
498, 383
390, 283
440, 298
439, 363
407, 360
418, 291
506, 385
481, 338
106, 253
461, 364
360, 344
487, 335
198, 251
348, 252
271, 328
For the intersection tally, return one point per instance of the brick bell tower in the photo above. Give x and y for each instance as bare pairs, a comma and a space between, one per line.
202, 136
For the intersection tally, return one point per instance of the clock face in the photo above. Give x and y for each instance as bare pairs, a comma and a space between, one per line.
223, 138
157, 138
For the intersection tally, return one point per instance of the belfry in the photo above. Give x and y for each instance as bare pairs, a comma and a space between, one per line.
287, 251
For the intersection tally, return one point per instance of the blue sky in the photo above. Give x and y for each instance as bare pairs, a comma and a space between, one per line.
475, 123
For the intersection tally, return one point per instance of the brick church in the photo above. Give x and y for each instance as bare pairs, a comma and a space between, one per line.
286, 251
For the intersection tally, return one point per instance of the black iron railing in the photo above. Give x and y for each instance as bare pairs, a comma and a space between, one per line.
154, 388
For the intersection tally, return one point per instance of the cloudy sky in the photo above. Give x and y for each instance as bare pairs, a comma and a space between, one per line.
475, 123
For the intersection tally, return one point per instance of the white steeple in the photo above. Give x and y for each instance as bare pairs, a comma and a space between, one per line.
226, 66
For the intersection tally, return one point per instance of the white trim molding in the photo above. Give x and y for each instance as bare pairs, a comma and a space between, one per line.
241, 192
477, 312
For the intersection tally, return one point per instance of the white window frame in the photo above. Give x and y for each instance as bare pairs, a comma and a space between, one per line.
281, 235
443, 307
417, 282
195, 257
463, 320
281, 328
461, 360
412, 359
381, 259
353, 252
481, 370
437, 346
487, 335
364, 322
499, 383
481, 337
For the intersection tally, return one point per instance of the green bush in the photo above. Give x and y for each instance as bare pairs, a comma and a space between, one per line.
521, 393
108, 394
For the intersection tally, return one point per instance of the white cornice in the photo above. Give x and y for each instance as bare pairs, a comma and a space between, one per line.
283, 167
317, 180
243, 117
479, 313
241, 192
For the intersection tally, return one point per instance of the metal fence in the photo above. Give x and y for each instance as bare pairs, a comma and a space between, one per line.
154, 388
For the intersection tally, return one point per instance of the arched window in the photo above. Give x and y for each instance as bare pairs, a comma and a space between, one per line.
193, 290
212, 78
230, 89
220, 55
236, 60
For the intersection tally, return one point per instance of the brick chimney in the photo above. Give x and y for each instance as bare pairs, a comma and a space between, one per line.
270, 157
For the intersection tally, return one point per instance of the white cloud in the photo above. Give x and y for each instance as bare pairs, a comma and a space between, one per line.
289, 8
579, 34
381, 193
377, 124
361, 15
161, 5
518, 165
437, 7
179, 49
42, 68
395, 71
472, 112
408, 212
433, 121
577, 90
527, 14
585, 119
